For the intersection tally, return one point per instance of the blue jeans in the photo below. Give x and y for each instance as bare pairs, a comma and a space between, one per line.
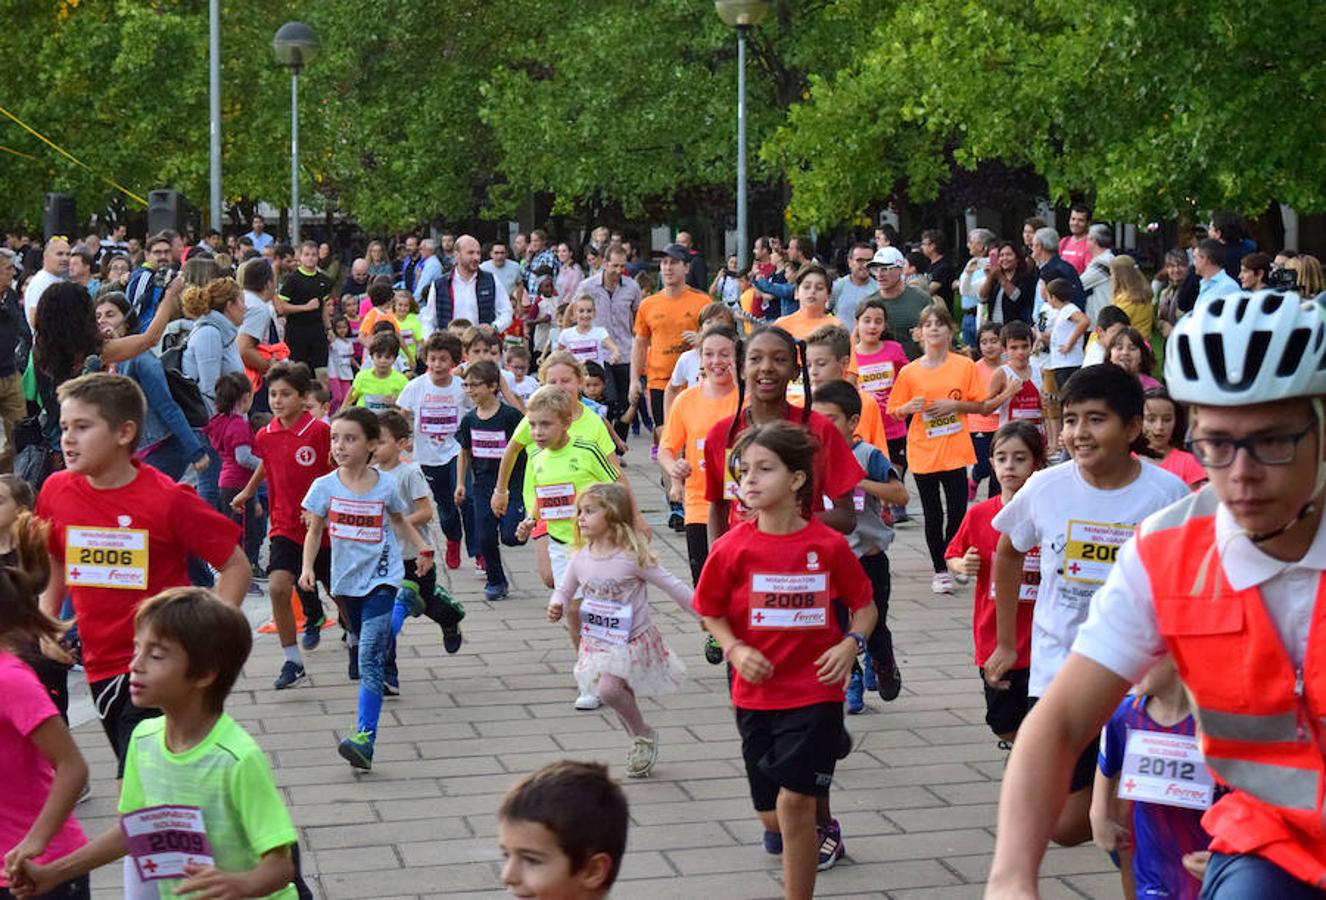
489, 529
370, 620
1245, 875
442, 481
168, 458
209, 479
969, 328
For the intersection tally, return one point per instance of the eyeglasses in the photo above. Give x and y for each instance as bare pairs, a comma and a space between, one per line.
1267, 449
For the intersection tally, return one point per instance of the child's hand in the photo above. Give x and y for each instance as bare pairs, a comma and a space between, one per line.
835, 664
1110, 836
307, 579
459, 496
210, 883
523, 529
1196, 863
997, 666
681, 470
941, 408
498, 503
423, 563
751, 664
202, 463
554, 612
15, 859
971, 562
240, 499
913, 406
29, 879
690, 337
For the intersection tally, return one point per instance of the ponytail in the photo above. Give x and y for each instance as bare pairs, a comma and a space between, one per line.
741, 390
805, 379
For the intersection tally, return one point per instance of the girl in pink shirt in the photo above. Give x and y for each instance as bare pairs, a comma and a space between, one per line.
622, 654
1165, 425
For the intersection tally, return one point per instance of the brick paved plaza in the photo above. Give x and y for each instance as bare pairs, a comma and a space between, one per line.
916, 798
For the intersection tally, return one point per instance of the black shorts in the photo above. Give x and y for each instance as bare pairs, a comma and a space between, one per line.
119, 717
1084, 770
308, 346
796, 749
656, 409
1005, 710
288, 556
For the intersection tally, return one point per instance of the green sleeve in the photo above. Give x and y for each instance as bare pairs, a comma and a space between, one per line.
132, 796
603, 439
521, 435
263, 815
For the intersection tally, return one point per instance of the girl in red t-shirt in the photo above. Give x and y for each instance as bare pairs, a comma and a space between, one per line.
1165, 425
771, 593
1016, 451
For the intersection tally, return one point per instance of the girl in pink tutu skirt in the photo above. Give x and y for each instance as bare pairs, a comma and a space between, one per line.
621, 653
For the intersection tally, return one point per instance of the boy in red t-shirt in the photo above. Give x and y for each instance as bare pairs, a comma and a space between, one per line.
121, 533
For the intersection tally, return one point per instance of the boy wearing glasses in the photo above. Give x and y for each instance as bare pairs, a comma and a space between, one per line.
1079, 514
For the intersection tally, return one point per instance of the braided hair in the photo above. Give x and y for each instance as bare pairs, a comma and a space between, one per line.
798, 349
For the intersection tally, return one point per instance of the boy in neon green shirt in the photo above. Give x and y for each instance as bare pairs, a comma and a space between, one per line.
376, 387
199, 810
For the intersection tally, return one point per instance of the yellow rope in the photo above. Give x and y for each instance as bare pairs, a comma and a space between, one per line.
65, 153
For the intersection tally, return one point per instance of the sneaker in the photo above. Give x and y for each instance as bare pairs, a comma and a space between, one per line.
292, 673
256, 590
900, 515
495, 592
408, 596
653, 453
831, 844
855, 699
941, 583
587, 702
389, 689
713, 651
452, 638
353, 669
889, 678
358, 750
453, 554
641, 757
480, 565
313, 633
773, 843
961, 578
868, 671
677, 518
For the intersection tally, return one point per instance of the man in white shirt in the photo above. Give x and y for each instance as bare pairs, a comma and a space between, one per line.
467, 292
54, 267
1229, 581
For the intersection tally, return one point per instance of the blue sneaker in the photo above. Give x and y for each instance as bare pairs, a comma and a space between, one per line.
871, 680
855, 694
313, 633
291, 674
408, 596
358, 750
831, 844
773, 843
494, 592
452, 638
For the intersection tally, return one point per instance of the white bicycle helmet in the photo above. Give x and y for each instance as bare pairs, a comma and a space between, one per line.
1247, 348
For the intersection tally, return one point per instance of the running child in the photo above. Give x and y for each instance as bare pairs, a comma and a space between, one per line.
935, 390
828, 353
429, 600
517, 376
341, 362
689, 369
119, 533
405, 310
293, 449
189, 648
841, 404
352, 504
876, 361
1079, 514
229, 433
989, 359
595, 396
350, 305
1018, 451
681, 449
622, 655
768, 594
41, 759
1015, 387
584, 340
1165, 424
434, 402
377, 386
562, 833
1129, 351
484, 434
813, 289
1156, 834
380, 297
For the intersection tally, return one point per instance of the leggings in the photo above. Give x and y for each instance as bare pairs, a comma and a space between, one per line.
938, 531
697, 548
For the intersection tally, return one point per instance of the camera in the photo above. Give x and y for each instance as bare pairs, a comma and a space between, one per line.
1282, 279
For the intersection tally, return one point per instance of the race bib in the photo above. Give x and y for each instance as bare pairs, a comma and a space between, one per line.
1165, 768
699, 454
605, 620
796, 392
941, 426
438, 417
106, 557
583, 349
513, 340
378, 402
1091, 549
1031, 577
355, 520
787, 602
875, 378
729, 483
487, 444
556, 501
164, 839
858, 500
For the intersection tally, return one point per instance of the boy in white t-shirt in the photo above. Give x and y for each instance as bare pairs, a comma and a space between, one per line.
435, 402
1079, 514
517, 374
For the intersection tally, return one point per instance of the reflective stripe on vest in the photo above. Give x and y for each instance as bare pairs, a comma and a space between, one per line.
1282, 786
1227, 726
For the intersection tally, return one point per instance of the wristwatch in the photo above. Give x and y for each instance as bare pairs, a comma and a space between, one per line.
860, 641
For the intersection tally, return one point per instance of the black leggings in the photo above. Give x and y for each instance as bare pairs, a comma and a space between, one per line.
939, 532
697, 548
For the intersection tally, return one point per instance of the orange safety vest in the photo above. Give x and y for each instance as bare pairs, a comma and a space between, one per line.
1262, 723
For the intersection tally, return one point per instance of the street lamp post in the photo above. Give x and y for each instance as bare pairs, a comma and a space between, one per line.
741, 15
295, 44
214, 109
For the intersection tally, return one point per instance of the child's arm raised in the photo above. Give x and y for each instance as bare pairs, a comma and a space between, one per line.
53, 740
1001, 389
274, 872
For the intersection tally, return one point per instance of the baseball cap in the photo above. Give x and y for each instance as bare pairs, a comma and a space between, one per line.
887, 257
677, 251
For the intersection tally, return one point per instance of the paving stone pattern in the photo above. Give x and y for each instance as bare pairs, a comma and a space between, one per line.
916, 798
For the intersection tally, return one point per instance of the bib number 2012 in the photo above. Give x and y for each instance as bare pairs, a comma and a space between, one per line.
1166, 768
611, 622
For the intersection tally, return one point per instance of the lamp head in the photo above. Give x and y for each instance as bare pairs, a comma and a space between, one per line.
295, 44
742, 13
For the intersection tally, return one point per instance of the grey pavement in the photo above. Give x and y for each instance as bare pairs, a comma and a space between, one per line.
916, 798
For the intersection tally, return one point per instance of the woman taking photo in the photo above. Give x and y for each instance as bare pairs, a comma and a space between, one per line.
1010, 287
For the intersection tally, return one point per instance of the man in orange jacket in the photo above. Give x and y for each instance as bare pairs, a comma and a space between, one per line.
1232, 582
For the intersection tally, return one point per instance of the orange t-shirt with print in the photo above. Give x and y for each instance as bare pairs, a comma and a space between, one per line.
800, 325
937, 443
375, 315
661, 320
689, 421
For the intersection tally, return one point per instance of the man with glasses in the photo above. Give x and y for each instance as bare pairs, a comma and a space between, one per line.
54, 267
148, 282
905, 303
1230, 582
855, 286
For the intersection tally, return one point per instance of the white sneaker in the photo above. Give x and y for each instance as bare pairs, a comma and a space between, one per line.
641, 757
586, 702
941, 583
961, 578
